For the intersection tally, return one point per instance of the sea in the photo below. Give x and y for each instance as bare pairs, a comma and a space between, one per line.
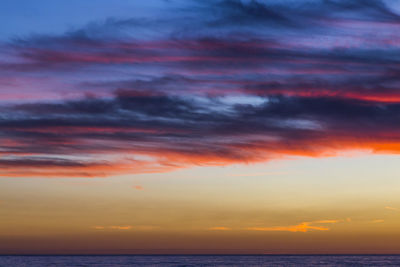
202, 260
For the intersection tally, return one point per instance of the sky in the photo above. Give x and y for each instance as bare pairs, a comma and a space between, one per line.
188, 126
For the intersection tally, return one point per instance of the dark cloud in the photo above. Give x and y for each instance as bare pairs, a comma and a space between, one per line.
212, 83
155, 125
228, 12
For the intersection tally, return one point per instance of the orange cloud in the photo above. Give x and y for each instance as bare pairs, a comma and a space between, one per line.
326, 221
89, 170
164, 160
138, 187
128, 227
377, 221
391, 208
220, 228
301, 227
113, 227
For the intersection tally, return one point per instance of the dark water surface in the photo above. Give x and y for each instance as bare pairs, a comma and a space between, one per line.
203, 260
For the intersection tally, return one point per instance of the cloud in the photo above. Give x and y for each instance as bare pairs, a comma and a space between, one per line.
219, 228
162, 133
326, 221
257, 80
301, 227
138, 187
127, 227
113, 227
117, 227
391, 208
377, 221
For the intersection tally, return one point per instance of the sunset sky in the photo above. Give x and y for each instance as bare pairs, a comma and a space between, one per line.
199, 126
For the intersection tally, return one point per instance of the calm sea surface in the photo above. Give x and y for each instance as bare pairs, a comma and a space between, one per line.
184, 260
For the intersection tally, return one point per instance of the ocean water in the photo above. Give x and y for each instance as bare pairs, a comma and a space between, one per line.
200, 260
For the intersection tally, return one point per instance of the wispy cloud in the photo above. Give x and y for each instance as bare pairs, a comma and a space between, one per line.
220, 228
326, 221
127, 227
392, 208
257, 80
138, 187
301, 227
114, 227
